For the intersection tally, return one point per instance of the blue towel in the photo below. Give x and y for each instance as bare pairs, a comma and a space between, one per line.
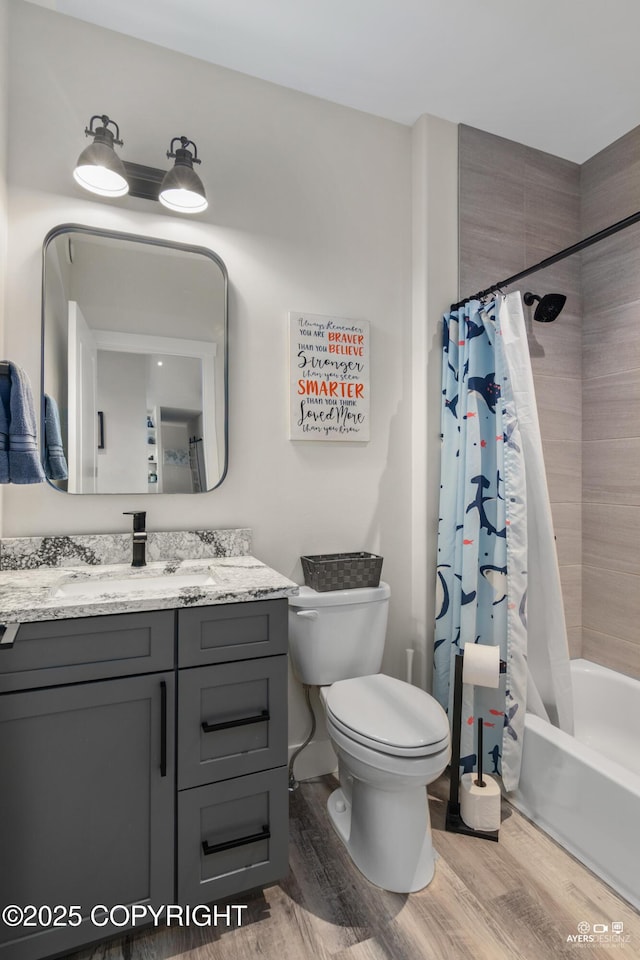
55, 464
19, 459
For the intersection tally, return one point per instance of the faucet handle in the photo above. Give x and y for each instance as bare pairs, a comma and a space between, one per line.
139, 519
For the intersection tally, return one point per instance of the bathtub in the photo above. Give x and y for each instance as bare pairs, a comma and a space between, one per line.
584, 790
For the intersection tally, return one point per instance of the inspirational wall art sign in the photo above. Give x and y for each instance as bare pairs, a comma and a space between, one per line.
329, 391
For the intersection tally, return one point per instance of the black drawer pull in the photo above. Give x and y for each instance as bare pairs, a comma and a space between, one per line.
163, 728
207, 848
228, 724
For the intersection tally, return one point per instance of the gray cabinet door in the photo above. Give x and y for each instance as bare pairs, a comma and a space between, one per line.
86, 803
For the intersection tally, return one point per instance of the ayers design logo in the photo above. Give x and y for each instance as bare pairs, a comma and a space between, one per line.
612, 932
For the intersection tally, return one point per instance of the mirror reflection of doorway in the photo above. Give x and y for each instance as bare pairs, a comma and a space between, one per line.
183, 467
150, 406
140, 405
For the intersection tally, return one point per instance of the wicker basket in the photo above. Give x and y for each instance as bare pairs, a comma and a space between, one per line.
341, 571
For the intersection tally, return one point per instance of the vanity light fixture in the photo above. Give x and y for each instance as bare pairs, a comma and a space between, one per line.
100, 170
182, 188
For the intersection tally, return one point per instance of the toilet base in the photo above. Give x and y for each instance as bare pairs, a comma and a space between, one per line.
384, 841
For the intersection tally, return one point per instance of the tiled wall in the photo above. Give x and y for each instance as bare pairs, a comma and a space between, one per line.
611, 409
518, 206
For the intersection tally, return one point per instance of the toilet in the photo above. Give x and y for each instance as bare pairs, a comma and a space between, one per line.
391, 738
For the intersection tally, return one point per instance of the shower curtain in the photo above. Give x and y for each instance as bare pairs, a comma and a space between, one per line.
497, 580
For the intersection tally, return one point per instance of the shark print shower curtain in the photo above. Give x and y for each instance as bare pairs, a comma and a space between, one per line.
495, 538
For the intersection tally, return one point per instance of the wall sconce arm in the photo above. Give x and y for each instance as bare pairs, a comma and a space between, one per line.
144, 182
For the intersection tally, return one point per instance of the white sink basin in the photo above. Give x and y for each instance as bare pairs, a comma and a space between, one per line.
129, 585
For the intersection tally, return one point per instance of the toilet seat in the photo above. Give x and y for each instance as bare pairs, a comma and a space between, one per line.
387, 715
392, 769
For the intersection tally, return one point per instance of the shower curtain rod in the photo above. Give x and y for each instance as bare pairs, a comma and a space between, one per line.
555, 258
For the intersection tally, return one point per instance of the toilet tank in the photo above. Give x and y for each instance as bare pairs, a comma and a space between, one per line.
337, 634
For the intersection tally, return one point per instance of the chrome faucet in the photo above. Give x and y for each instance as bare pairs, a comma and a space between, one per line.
139, 536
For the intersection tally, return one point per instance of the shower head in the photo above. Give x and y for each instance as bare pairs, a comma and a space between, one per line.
549, 306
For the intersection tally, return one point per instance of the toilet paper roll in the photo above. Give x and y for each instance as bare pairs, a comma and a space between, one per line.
480, 806
481, 665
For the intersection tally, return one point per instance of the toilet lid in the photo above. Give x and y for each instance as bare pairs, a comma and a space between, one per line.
389, 715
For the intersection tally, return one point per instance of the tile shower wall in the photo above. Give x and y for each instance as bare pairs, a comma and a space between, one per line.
517, 206
610, 190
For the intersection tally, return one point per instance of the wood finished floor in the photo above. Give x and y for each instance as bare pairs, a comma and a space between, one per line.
518, 899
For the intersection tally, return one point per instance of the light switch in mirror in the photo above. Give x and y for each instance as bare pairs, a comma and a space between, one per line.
134, 352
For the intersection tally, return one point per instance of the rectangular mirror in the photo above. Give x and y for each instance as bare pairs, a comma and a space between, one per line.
134, 354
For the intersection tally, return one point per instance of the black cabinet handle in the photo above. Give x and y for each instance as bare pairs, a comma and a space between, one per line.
207, 848
242, 722
163, 728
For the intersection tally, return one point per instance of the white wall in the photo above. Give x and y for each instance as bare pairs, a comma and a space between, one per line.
4, 105
310, 209
435, 285
177, 383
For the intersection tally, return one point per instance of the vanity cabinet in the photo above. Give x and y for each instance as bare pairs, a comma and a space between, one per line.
233, 802
142, 760
87, 767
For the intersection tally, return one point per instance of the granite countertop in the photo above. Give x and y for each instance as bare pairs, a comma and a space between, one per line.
57, 592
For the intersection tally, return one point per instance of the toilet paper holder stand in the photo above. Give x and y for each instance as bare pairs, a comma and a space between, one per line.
454, 822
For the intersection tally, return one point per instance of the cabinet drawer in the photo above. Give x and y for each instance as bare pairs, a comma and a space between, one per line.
54, 652
232, 631
232, 720
232, 836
